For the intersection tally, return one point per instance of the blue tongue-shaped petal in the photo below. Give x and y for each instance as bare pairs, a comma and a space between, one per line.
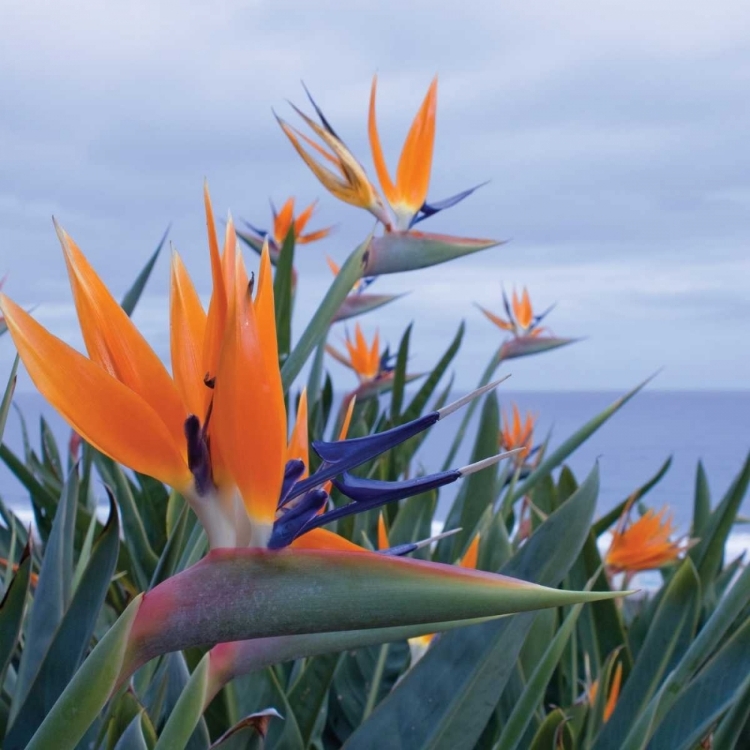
342, 455
289, 525
367, 494
430, 209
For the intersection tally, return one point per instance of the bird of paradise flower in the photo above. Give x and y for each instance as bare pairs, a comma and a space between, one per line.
401, 247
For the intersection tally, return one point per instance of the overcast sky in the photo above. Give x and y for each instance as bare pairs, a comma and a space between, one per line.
615, 137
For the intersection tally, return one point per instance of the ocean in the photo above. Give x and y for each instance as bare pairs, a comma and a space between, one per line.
711, 426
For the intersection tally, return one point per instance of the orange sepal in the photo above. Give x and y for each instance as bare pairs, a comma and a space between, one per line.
614, 693
343, 432
390, 191
469, 560
265, 314
382, 533
283, 221
187, 322
114, 343
324, 539
298, 442
106, 413
415, 164
249, 418
522, 309
496, 319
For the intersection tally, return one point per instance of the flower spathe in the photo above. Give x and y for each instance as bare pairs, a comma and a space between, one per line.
216, 428
405, 204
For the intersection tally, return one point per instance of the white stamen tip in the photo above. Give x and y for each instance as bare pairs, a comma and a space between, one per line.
485, 462
436, 538
446, 410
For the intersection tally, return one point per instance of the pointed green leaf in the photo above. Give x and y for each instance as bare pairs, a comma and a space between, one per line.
419, 402
702, 502
708, 696
71, 638
317, 328
136, 539
52, 594
670, 632
533, 694
730, 730
359, 304
399, 375
283, 292
478, 491
130, 300
236, 594
12, 610
524, 346
703, 646
310, 691
132, 738
466, 671
87, 692
709, 552
395, 252
8, 396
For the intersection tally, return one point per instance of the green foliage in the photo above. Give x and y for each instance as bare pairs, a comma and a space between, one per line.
72, 591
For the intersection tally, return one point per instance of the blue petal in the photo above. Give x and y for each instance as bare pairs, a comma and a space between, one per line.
342, 455
508, 311
260, 232
399, 550
430, 209
323, 120
292, 472
539, 318
372, 493
198, 456
289, 525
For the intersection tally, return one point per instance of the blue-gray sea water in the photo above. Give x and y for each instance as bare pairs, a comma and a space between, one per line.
706, 425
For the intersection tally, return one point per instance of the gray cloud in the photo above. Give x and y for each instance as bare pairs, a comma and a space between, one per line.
614, 136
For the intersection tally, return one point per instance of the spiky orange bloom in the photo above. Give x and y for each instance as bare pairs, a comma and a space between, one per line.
516, 433
614, 692
347, 181
520, 320
284, 220
216, 428
408, 193
363, 358
406, 197
644, 544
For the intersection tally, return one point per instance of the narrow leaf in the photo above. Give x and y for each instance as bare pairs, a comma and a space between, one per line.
130, 300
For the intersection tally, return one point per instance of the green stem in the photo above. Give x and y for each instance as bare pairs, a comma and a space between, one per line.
377, 678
